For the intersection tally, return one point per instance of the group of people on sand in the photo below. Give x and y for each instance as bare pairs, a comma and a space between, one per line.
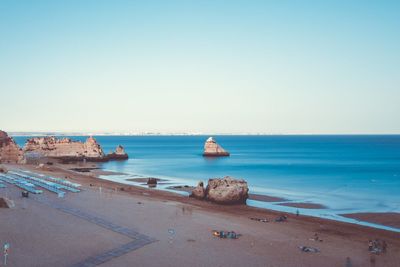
377, 246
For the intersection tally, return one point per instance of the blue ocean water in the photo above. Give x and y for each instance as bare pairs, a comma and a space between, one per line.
354, 173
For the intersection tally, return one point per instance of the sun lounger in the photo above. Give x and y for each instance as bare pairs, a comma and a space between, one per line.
43, 181
50, 187
53, 179
20, 183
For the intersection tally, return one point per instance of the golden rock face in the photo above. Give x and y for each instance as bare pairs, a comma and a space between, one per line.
10, 152
53, 147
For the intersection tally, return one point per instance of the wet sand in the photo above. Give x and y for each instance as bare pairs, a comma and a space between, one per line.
388, 218
303, 205
265, 198
182, 188
182, 227
144, 180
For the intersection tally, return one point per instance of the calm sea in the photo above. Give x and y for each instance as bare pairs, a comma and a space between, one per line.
344, 173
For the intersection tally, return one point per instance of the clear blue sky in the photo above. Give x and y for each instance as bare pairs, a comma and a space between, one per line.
200, 66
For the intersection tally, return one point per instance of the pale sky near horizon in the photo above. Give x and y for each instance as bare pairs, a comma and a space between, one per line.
200, 66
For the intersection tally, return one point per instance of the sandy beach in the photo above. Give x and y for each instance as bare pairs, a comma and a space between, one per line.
161, 228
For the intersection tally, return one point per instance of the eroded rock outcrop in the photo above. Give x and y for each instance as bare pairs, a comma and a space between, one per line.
223, 191
199, 191
118, 154
212, 149
66, 149
10, 152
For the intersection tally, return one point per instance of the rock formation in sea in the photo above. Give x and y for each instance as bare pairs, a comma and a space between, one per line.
223, 191
118, 154
68, 150
10, 152
152, 182
212, 149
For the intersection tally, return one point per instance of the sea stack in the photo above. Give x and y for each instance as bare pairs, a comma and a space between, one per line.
10, 152
118, 154
212, 149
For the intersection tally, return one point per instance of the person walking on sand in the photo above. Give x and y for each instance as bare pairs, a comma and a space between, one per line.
370, 245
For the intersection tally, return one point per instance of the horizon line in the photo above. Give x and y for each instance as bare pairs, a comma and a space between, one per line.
149, 133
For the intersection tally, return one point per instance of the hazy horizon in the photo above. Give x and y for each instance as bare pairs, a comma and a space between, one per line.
270, 67
55, 133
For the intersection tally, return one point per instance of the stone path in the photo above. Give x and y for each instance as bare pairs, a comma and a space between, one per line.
108, 255
139, 240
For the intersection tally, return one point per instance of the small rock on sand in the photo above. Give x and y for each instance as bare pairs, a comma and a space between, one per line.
6, 203
3, 169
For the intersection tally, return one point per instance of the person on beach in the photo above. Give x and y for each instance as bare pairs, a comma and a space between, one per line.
224, 234
370, 246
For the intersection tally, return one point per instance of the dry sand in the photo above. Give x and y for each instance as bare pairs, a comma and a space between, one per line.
41, 235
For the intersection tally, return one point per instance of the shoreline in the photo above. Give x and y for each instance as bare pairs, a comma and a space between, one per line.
361, 218
273, 202
172, 193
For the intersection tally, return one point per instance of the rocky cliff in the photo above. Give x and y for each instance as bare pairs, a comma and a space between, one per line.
10, 152
66, 149
212, 149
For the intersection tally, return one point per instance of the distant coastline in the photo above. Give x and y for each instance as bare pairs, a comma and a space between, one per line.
189, 134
